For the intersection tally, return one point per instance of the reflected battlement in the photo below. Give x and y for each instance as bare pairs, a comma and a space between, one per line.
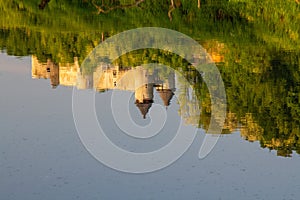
58, 74
141, 81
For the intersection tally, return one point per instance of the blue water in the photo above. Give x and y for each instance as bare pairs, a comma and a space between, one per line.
42, 157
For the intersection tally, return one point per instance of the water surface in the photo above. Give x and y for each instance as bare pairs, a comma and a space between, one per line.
256, 157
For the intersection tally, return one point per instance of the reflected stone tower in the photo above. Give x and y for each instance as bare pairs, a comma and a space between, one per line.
53, 70
166, 89
143, 90
47, 70
144, 98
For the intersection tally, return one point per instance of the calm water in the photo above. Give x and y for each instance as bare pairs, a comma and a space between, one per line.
42, 155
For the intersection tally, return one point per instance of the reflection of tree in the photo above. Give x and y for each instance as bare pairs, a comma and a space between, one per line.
103, 8
59, 47
271, 94
263, 104
43, 4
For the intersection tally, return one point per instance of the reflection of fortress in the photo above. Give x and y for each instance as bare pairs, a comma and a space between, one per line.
143, 83
58, 75
106, 77
139, 80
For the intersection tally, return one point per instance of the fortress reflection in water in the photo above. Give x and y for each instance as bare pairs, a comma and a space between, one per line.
143, 82
140, 80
